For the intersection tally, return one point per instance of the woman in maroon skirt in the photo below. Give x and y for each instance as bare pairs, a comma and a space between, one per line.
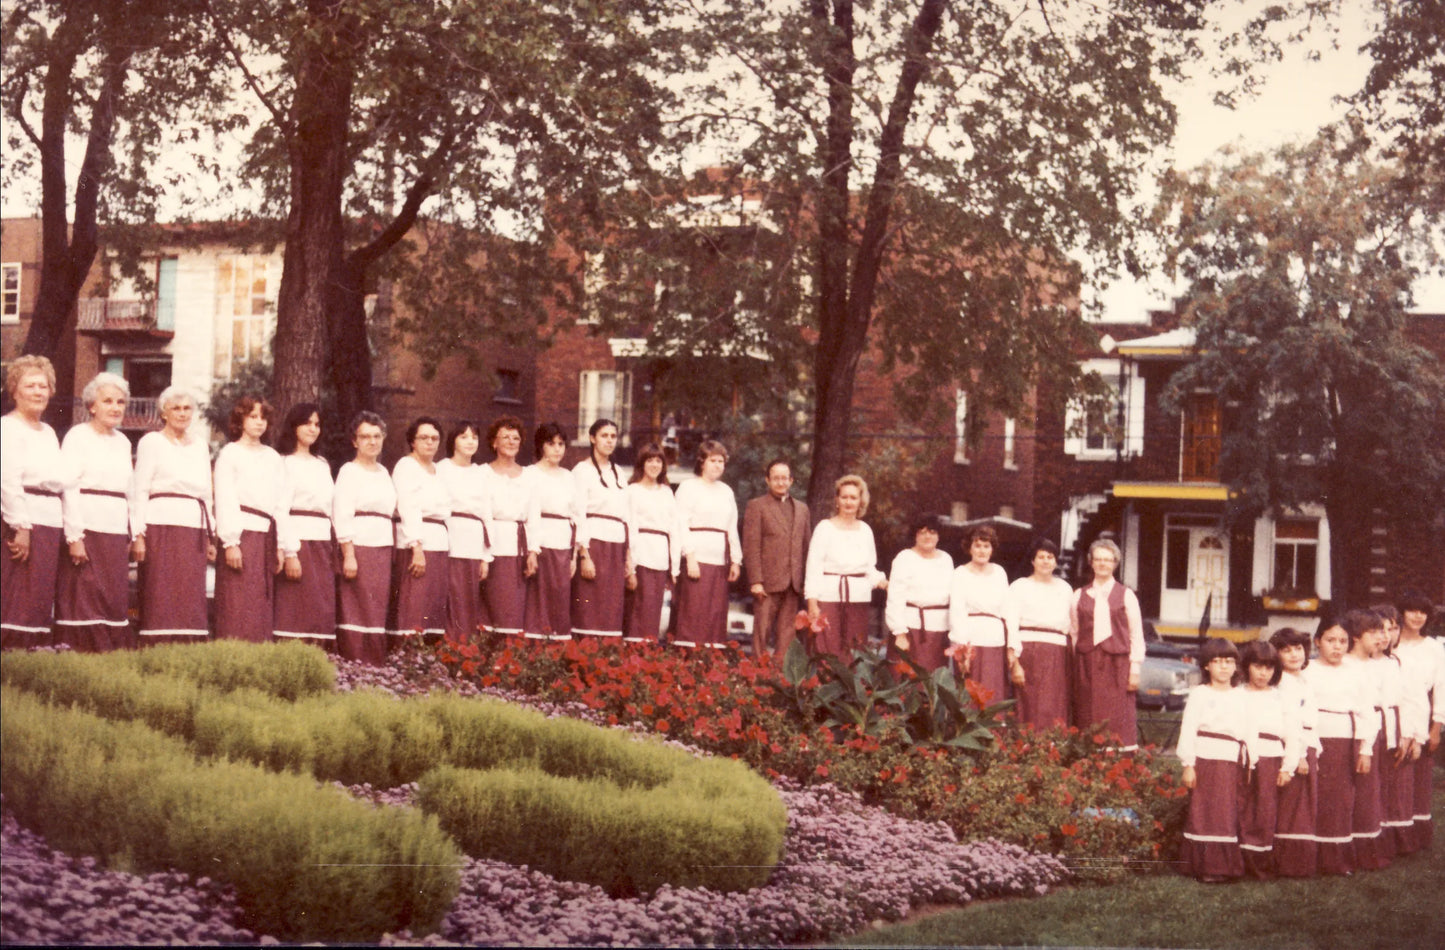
466, 530
707, 511
422, 508
1295, 849
1422, 663
1347, 727
172, 516
916, 613
657, 534
1039, 612
1108, 649
34, 476
514, 532
978, 632
842, 573
91, 602
1211, 749
362, 514
549, 591
602, 568
250, 481
306, 587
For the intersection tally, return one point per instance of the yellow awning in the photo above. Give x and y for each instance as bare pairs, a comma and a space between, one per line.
1183, 491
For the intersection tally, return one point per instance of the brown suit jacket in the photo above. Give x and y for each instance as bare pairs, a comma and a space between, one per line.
775, 538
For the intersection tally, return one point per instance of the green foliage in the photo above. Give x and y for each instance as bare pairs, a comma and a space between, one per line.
287, 671
717, 826
307, 862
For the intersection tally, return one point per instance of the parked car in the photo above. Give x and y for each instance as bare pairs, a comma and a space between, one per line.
1169, 672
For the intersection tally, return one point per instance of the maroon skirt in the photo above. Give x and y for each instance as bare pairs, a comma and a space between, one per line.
989, 669
504, 601
27, 589
306, 608
700, 608
245, 603
1258, 816
173, 585
361, 606
1397, 792
1044, 697
1422, 826
846, 629
91, 600
1335, 807
925, 647
1101, 695
597, 604
1372, 847
1211, 832
644, 606
419, 607
548, 613
1296, 852
464, 599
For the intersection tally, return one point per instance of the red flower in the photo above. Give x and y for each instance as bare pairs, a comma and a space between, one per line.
821, 771
662, 725
1069, 830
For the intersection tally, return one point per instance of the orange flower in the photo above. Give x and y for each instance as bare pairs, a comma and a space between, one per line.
1069, 830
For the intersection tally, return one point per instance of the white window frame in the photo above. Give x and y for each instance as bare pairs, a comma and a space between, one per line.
1075, 436
589, 408
960, 428
10, 306
1312, 583
1009, 440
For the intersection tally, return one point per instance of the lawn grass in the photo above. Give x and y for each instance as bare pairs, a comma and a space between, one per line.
1393, 909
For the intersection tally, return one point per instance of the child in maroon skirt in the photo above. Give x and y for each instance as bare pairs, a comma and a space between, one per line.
1211, 747
1347, 727
1373, 849
1270, 766
1295, 850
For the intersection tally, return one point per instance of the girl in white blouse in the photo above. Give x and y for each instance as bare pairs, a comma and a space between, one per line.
422, 507
93, 592
1212, 735
598, 590
365, 503
172, 515
468, 557
1422, 664
306, 587
549, 591
249, 483
1347, 727
711, 550
656, 532
1295, 848
842, 573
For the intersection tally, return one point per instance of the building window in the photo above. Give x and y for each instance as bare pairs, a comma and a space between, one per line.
604, 394
243, 308
1008, 444
1296, 554
10, 303
960, 428
1006, 511
1100, 428
509, 387
959, 512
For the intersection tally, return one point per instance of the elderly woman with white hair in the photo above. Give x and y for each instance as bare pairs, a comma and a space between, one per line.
90, 602
33, 475
1108, 649
172, 514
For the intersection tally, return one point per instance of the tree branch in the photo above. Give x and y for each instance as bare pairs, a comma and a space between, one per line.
223, 33
85, 233
17, 112
420, 190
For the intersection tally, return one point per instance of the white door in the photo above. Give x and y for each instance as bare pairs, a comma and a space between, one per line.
1196, 569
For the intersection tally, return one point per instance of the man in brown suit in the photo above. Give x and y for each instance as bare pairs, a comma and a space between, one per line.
775, 536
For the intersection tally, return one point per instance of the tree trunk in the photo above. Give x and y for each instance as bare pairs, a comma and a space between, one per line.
312, 266
350, 344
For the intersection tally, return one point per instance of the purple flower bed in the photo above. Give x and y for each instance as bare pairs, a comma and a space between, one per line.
52, 898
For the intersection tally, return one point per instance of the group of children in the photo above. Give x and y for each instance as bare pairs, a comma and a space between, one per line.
1301, 766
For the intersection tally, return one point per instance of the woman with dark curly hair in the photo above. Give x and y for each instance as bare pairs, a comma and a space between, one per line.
712, 552
1422, 665
306, 587
549, 591
468, 559
977, 603
249, 481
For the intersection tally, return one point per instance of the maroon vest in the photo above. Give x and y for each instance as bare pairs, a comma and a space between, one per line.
1118, 620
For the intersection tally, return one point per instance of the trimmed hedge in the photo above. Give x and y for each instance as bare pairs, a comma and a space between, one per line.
307, 862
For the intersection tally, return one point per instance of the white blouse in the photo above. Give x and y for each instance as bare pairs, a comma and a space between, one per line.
1040, 612
842, 564
175, 468
1301, 716
423, 506
1423, 663
709, 513
918, 592
1345, 700
470, 512
100, 499
365, 501
1103, 624
1218, 711
515, 500
656, 527
1267, 727
600, 497
556, 491
977, 606
247, 477
30, 458
309, 488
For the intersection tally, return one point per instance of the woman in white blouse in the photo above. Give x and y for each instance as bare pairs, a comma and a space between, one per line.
171, 514
362, 512
1040, 613
842, 572
707, 510
1422, 662
656, 533
549, 591
91, 600
250, 480
916, 613
466, 528
33, 474
598, 591
514, 532
422, 507
306, 587
977, 627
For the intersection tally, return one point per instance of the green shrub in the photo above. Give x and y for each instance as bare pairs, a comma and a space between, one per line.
307, 862
109, 685
715, 828
284, 670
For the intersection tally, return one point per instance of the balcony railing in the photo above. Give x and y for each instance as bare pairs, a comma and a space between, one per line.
102, 314
139, 414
